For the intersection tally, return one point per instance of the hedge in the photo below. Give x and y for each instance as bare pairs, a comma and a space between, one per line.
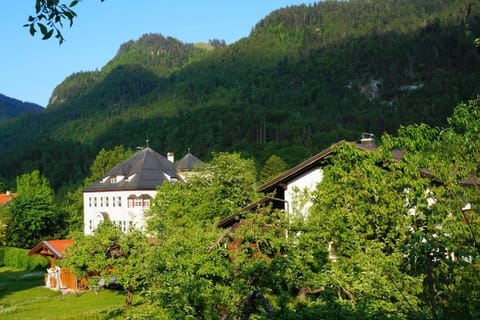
19, 258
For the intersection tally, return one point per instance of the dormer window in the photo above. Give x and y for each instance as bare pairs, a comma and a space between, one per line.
169, 177
113, 180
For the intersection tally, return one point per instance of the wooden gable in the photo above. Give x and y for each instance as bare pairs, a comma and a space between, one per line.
51, 248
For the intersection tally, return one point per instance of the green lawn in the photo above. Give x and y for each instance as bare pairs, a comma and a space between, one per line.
22, 296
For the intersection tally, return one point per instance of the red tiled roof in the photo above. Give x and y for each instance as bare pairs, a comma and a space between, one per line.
51, 247
6, 197
60, 245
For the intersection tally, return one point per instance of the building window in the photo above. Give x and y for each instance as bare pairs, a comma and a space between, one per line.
146, 202
101, 201
89, 201
142, 201
95, 201
119, 201
106, 201
131, 201
113, 180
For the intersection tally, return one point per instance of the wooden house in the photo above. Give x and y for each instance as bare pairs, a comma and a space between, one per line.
57, 277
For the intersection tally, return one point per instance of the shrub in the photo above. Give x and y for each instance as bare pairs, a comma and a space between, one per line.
19, 258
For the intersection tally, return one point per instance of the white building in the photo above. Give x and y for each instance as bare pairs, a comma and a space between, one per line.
126, 192
291, 191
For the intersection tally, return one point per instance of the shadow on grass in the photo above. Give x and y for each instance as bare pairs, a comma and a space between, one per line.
24, 296
12, 280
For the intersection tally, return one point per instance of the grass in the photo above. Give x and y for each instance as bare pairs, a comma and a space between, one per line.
23, 296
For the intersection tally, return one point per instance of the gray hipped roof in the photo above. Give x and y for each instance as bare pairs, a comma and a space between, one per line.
188, 162
145, 170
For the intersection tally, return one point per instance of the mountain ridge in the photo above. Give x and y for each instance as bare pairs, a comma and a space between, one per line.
304, 78
12, 107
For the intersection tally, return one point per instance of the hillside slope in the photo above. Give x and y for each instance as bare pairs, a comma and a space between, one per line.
10, 107
304, 78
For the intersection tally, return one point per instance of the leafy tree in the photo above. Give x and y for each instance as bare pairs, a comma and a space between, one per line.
72, 207
272, 167
33, 184
193, 279
111, 254
106, 160
444, 219
405, 222
226, 185
32, 215
360, 217
50, 16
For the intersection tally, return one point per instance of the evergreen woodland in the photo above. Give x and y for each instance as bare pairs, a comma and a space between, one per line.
304, 78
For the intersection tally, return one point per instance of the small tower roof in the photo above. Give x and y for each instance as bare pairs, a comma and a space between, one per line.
188, 162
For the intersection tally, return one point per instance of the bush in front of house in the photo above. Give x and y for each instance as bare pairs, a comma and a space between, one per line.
19, 258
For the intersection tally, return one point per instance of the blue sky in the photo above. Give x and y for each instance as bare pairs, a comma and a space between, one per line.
31, 68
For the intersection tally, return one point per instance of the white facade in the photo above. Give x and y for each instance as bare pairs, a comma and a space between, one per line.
298, 192
123, 208
126, 191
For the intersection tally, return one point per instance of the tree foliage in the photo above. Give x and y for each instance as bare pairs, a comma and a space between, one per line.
32, 215
193, 278
106, 160
272, 167
111, 255
50, 15
413, 215
226, 185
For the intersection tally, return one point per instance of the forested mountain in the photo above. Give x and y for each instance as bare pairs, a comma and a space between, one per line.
10, 107
306, 77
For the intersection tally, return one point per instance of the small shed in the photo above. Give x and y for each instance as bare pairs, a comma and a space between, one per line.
56, 277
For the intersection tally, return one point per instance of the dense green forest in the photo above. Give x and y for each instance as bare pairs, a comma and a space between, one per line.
305, 77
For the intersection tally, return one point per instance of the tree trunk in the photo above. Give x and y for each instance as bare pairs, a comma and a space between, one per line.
431, 285
129, 298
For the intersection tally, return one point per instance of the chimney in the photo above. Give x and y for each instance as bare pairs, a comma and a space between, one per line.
367, 138
171, 156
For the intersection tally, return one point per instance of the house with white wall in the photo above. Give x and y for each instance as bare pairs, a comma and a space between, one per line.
126, 192
291, 190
